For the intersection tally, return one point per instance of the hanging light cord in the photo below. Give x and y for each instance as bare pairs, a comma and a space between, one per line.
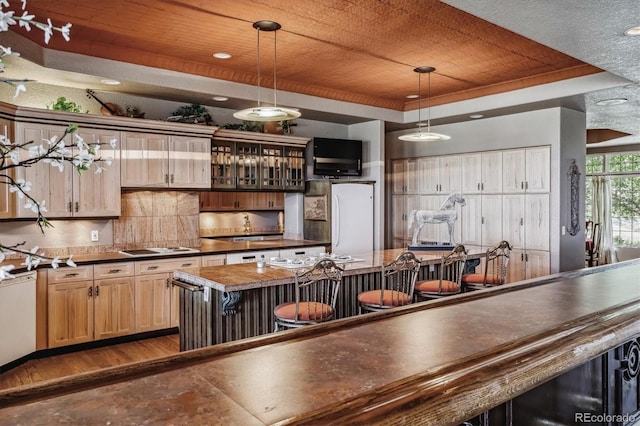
258, 59
429, 102
275, 44
419, 102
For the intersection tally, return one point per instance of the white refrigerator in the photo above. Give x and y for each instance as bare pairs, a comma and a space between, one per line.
349, 220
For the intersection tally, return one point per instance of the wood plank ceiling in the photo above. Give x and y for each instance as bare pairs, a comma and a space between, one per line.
360, 51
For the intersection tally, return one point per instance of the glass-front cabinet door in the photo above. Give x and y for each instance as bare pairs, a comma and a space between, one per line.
271, 167
247, 165
223, 165
294, 166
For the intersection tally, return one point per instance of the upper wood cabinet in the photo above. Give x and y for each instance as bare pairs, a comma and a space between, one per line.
165, 161
481, 172
405, 176
7, 201
526, 170
252, 161
440, 175
68, 193
240, 201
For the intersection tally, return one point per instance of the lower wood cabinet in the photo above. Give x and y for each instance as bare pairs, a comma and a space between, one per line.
113, 300
153, 302
156, 300
85, 305
527, 264
70, 313
107, 300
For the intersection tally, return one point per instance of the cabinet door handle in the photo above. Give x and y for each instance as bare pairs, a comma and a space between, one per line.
71, 275
521, 185
478, 187
70, 206
97, 290
522, 221
482, 186
186, 265
166, 178
114, 271
171, 177
168, 282
90, 292
482, 221
152, 268
526, 185
526, 257
522, 257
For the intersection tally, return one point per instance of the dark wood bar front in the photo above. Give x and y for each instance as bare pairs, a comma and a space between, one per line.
508, 350
229, 302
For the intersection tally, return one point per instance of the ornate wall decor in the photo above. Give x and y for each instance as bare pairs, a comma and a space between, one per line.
573, 175
315, 207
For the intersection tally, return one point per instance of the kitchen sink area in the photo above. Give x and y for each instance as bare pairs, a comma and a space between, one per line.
158, 251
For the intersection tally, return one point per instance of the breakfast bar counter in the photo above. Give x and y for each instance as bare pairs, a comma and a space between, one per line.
229, 302
556, 350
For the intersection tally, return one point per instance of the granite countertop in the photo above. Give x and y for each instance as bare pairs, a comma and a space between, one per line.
246, 276
207, 247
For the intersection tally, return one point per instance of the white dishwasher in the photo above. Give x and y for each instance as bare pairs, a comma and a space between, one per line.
17, 317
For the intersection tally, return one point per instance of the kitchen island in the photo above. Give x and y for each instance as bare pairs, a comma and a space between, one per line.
229, 302
568, 352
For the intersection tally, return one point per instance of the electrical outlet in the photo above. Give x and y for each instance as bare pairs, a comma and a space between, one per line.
95, 236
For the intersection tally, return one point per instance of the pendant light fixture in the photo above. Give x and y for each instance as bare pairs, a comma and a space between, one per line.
267, 113
420, 135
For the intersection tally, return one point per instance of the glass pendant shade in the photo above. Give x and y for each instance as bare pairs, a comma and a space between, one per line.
420, 135
261, 112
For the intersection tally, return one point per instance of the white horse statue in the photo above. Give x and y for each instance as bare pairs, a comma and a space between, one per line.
446, 214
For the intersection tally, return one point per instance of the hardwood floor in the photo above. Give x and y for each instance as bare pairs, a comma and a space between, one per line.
56, 366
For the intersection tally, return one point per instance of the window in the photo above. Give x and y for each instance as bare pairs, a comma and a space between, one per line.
624, 171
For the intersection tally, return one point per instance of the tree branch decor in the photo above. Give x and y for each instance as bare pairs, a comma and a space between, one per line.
57, 152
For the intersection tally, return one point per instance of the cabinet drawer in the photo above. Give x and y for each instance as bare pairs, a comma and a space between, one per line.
113, 270
166, 265
67, 274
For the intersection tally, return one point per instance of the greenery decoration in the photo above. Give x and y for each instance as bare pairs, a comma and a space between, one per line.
62, 104
193, 113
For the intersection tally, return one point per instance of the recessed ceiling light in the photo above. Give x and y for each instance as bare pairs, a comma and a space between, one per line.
476, 116
110, 82
412, 96
222, 55
220, 98
633, 31
609, 102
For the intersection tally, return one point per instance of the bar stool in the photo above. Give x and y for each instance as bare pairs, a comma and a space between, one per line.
449, 276
316, 294
496, 262
398, 280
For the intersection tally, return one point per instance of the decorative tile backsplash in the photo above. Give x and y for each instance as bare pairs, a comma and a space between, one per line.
157, 219
148, 219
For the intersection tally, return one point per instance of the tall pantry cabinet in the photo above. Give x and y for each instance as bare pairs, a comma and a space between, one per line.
507, 198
